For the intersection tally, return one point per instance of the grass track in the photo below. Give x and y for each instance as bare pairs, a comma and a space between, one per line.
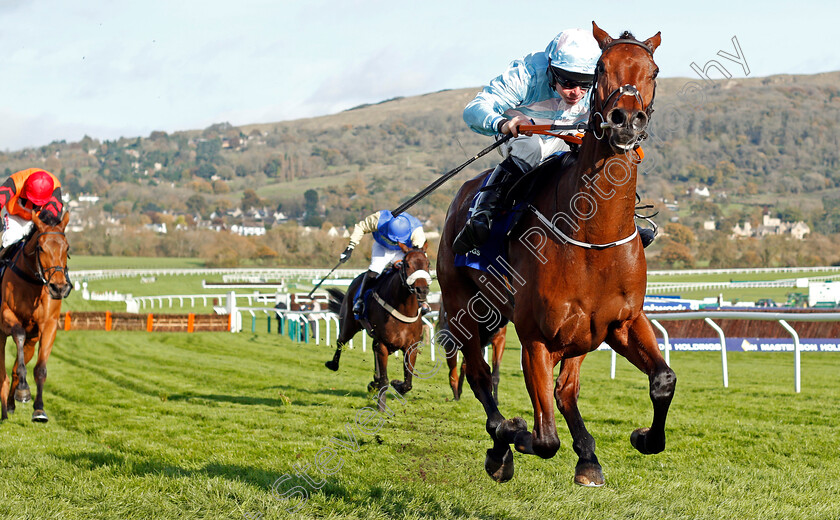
200, 426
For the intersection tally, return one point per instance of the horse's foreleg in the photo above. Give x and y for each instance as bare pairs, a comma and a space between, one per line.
588, 470
637, 342
4, 380
380, 375
409, 360
19, 384
498, 343
40, 373
538, 368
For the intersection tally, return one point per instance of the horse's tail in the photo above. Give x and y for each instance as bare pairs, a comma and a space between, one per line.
336, 299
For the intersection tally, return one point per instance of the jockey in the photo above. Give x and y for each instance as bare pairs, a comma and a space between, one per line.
388, 232
26, 191
550, 87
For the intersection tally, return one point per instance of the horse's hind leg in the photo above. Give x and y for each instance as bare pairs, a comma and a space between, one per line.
637, 342
588, 470
348, 327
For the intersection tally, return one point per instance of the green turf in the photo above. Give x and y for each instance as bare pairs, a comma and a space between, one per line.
201, 425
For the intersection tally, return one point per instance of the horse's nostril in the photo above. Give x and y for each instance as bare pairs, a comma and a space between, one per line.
639, 121
616, 117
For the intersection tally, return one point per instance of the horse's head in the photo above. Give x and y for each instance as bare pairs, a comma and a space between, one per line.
51, 250
415, 271
624, 88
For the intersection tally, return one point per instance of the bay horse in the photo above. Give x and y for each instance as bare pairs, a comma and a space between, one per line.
393, 318
456, 379
576, 278
33, 286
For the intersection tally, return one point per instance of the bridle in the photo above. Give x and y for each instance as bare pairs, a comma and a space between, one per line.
42, 276
409, 279
614, 96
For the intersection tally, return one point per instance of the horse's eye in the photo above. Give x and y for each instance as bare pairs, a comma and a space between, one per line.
655, 72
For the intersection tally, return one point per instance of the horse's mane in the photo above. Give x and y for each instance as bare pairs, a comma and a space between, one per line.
627, 35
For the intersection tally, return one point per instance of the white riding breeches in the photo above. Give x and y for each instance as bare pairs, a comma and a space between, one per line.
381, 256
14, 227
534, 149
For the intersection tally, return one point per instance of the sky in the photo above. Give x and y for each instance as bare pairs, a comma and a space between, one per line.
111, 69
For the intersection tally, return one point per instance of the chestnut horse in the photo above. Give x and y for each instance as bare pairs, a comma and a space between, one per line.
393, 318
32, 289
576, 279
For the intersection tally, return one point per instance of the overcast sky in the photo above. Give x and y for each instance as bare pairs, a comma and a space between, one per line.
125, 68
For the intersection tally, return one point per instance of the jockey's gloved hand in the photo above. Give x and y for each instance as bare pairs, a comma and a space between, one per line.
345, 256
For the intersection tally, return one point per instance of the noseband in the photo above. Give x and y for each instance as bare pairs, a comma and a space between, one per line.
614, 96
409, 279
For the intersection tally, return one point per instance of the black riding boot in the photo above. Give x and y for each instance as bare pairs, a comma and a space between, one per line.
477, 229
647, 235
359, 304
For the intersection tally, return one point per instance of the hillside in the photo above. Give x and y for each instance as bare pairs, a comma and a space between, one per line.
759, 144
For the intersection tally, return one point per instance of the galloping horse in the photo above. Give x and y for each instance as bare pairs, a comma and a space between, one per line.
576, 279
393, 318
32, 289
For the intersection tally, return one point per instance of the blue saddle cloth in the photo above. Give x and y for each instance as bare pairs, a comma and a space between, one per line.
482, 258
368, 291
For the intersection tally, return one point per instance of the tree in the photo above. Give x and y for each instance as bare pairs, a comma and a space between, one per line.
250, 200
676, 255
679, 233
197, 204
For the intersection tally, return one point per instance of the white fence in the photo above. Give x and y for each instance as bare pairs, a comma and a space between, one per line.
781, 317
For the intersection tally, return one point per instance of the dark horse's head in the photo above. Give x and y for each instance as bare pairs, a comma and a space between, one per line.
50, 249
624, 89
414, 271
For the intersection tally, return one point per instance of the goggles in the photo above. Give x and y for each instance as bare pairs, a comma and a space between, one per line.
570, 80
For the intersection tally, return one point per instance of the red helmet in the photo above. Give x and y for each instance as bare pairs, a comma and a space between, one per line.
38, 188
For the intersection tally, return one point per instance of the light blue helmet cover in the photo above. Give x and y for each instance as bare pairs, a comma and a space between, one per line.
574, 50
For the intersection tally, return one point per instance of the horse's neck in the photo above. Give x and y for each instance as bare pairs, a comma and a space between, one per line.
605, 178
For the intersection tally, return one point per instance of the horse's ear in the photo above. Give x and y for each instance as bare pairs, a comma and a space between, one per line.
600, 35
64, 220
35, 218
404, 248
425, 246
654, 41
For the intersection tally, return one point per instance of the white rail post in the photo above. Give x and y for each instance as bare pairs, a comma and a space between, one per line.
796, 355
667, 340
722, 351
612, 363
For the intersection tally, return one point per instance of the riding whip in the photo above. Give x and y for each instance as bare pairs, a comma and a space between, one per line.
446, 176
323, 279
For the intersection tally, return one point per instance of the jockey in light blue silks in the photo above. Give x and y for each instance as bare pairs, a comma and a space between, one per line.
549, 87
388, 233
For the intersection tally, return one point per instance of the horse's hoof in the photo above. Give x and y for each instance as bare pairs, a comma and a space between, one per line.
506, 430
23, 396
499, 469
400, 387
642, 441
39, 416
589, 474
332, 365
